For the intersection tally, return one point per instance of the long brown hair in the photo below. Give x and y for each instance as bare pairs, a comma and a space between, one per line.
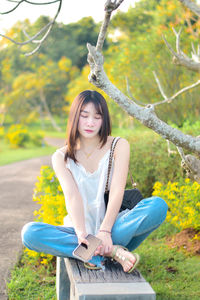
101, 107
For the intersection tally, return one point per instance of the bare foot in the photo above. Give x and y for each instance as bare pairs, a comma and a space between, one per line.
124, 257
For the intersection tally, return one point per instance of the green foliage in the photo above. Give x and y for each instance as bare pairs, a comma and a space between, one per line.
37, 138
17, 136
150, 162
71, 39
2, 133
139, 50
172, 274
192, 128
183, 202
48, 193
31, 281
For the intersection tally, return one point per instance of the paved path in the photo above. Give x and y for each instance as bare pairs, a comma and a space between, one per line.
17, 182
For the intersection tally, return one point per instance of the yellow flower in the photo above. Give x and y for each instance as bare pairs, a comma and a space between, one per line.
44, 261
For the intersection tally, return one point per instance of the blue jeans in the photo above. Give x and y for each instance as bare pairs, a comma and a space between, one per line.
128, 230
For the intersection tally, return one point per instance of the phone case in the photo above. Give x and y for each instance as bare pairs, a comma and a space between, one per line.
84, 252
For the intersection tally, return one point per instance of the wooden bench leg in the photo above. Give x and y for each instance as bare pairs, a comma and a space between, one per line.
62, 280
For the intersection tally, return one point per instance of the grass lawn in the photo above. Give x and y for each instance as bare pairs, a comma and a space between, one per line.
32, 282
174, 275
8, 155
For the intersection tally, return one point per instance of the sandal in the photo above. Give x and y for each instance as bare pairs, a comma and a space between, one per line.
123, 258
88, 266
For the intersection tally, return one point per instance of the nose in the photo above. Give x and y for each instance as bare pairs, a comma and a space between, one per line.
90, 122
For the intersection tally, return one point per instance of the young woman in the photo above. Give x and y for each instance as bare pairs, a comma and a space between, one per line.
81, 167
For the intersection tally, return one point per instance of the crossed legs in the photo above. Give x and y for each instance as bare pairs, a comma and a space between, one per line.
129, 230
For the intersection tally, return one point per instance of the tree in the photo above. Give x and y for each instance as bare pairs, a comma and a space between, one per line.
145, 113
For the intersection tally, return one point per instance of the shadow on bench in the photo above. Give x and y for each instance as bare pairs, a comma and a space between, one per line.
75, 282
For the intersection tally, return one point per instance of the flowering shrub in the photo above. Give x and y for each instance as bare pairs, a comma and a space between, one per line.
1, 132
17, 135
49, 195
183, 201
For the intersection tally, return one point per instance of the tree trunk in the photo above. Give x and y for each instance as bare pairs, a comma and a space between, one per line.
53, 122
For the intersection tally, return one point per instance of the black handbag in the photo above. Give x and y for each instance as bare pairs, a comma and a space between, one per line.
131, 197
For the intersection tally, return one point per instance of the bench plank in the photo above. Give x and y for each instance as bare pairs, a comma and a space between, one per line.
113, 283
113, 273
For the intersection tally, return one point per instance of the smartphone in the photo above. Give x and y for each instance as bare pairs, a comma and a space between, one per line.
85, 252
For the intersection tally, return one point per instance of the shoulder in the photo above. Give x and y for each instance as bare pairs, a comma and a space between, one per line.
122, 143
122, 148
58, 156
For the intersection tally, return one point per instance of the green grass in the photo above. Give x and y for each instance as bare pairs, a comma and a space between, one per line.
174, 275
30, 282
8, 155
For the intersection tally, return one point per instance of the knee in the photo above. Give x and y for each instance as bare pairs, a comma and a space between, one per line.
160, 205
159, 202
27, 232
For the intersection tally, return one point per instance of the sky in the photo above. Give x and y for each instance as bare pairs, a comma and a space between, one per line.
71, 11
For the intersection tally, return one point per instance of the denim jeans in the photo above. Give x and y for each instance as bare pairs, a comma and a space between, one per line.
129, 230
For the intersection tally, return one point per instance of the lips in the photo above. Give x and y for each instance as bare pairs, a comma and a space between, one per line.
89, 131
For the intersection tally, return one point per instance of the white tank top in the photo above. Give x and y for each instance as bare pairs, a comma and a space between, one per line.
91, 187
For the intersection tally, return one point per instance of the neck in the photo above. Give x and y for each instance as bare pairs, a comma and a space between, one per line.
90, 143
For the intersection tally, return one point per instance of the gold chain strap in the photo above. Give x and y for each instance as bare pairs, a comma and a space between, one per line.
110, 162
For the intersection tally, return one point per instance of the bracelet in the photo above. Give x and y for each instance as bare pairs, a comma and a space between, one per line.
105, 231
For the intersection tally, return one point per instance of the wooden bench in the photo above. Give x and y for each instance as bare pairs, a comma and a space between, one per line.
75, 282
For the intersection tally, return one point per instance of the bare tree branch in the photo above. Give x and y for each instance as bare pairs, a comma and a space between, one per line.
26, 1
40, 41
181, 58
192, 6
41, 3
47, 27
169, 149
145, 115
9, 11
109, 8
159, 86
185, 89
31, 39
191, 164
130, 95
177, 39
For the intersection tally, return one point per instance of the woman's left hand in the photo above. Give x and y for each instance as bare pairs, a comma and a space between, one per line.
106, 247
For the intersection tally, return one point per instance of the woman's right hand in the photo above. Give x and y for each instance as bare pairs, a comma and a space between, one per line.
82, 237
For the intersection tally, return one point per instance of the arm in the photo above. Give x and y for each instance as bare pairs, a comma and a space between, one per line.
118, 183
71, 193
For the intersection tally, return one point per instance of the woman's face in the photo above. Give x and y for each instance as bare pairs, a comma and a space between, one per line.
90, 121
